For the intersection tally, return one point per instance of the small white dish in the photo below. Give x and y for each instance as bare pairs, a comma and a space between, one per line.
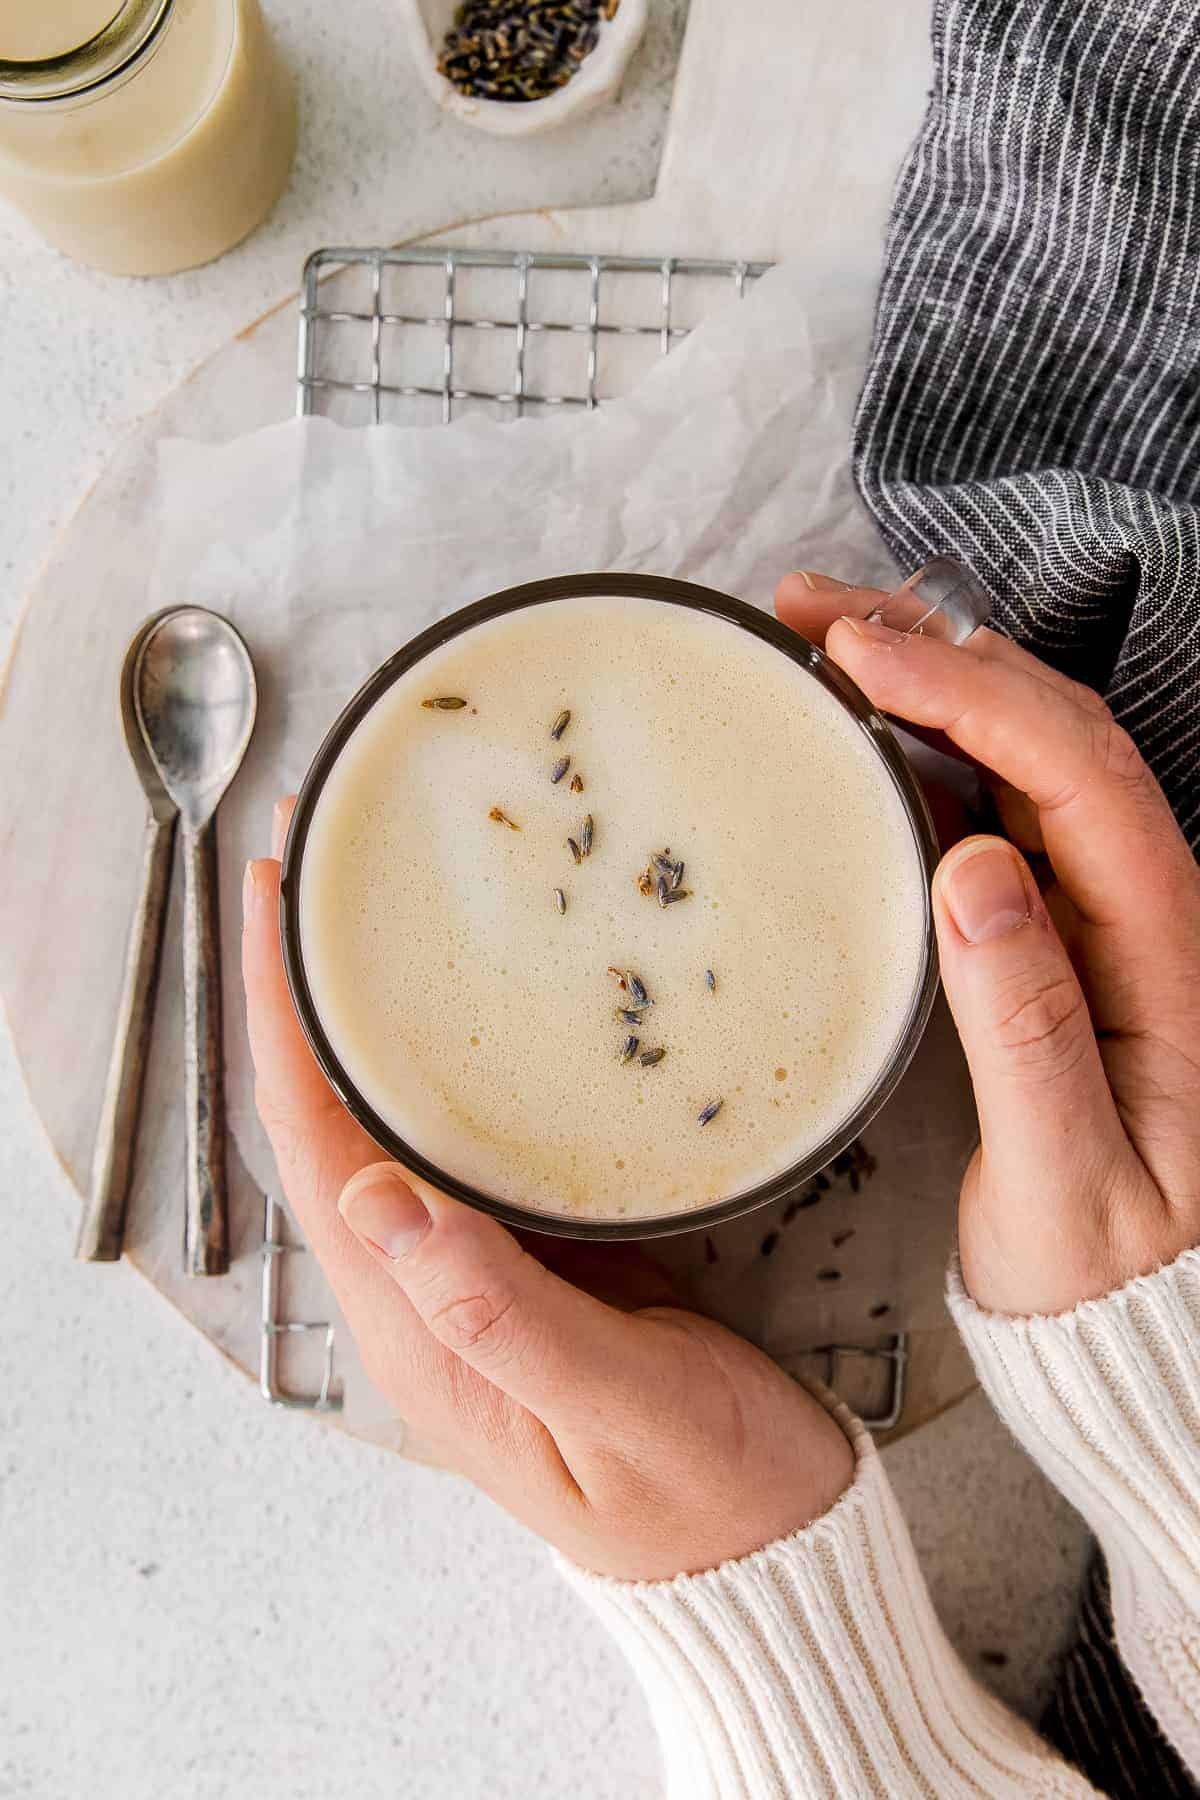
597, 80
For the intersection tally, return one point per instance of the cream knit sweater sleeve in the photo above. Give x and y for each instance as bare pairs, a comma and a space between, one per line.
1106, 1399
817, 1665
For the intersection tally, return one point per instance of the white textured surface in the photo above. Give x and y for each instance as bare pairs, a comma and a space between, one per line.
204, 1598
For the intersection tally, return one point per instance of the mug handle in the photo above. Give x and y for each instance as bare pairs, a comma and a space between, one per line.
942, 600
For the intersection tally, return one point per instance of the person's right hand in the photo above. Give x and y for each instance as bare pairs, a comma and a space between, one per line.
566, 1380
1079, 1005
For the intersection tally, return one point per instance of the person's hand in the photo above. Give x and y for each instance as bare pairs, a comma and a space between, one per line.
638, 1438
1078, 1005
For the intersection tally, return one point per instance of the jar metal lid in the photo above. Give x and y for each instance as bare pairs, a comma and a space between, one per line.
128, 33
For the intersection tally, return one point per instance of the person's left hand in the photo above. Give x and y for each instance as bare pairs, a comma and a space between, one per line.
640, 1439
1074, 989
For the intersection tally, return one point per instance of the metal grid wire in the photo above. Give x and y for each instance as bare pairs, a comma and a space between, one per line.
273, 1329
397, 342
595, 301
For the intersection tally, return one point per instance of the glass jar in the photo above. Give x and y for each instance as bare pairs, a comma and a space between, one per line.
154, 144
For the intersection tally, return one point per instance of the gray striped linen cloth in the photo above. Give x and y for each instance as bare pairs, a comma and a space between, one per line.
1096, 1718
1032, 403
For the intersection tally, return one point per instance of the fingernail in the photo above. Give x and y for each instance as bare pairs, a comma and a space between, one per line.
251, 888
873, 630
986, 893
379, 1206
823, 584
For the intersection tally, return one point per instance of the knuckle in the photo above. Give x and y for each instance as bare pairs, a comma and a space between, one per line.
1089, 700
1107, 757
1044, 1029
1117, 755
475, 1321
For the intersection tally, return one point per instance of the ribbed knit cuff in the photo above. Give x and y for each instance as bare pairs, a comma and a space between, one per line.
817, 1667
1106, 1399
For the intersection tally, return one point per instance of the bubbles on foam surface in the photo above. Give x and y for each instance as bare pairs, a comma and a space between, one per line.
424, 923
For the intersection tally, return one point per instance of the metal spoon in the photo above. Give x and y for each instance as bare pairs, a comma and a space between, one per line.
195, 698
103, 1226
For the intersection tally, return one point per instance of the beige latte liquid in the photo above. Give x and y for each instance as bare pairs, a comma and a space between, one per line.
478, 1020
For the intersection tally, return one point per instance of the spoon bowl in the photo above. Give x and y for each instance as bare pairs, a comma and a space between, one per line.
195, 698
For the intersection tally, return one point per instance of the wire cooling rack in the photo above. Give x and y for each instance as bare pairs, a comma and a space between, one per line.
430, 336
425, 335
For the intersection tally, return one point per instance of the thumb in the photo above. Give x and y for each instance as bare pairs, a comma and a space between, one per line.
543, 1342
1045, 1110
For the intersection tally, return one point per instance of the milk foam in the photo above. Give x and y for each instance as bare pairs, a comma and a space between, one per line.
479, 1022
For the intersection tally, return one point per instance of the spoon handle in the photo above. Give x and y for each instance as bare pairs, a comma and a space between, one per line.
206, 1226
102, 1229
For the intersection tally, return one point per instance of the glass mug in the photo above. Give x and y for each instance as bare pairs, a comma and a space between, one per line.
892, 764
154, 141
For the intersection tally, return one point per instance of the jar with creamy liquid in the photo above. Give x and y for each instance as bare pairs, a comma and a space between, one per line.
146, 136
